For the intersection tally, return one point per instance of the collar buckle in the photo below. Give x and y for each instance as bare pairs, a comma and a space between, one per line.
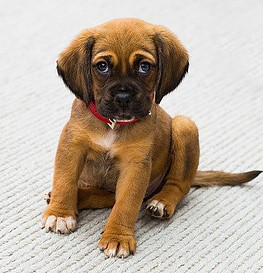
112, 123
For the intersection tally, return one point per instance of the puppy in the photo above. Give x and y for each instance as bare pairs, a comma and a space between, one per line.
119, 147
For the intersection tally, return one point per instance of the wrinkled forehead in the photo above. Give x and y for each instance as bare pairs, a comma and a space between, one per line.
124, 47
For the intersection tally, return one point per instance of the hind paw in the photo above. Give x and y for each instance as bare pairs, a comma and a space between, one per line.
159, 209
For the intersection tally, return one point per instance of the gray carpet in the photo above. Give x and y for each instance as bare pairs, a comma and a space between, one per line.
217, 229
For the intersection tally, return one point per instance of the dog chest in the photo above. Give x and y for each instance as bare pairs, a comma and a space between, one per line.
100, 170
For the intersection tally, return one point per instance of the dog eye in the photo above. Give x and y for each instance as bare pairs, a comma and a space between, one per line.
102, 67
144, 67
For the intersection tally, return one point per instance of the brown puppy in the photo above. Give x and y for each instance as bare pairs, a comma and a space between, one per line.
119, 146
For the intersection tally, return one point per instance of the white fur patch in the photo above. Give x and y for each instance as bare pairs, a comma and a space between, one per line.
106, 141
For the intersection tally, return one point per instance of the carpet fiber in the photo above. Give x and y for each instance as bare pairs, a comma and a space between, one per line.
218, 229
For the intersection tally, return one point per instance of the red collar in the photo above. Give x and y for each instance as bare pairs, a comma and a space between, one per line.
110, 122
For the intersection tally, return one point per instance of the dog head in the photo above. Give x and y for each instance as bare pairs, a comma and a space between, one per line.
124, 66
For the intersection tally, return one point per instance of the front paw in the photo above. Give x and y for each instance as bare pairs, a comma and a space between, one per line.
58, 222
119, 245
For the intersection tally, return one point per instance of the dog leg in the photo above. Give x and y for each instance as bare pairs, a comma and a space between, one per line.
95, 198
60, 215
184, 163
91, 198
118, 236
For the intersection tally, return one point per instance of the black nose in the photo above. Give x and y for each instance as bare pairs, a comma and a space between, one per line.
122, 99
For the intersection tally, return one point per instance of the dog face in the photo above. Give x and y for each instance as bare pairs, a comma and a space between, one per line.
123, 80
124, 66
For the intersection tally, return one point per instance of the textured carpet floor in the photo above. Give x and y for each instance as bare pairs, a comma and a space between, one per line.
216, 229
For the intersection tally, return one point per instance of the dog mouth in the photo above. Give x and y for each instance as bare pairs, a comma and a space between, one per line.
124, 117
119, 116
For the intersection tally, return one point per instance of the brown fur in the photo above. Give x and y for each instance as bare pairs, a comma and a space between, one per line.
89, 174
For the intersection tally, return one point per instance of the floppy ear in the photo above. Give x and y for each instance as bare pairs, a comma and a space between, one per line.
173, 62
74, 66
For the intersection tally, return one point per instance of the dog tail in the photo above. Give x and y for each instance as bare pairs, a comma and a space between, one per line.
216, 178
